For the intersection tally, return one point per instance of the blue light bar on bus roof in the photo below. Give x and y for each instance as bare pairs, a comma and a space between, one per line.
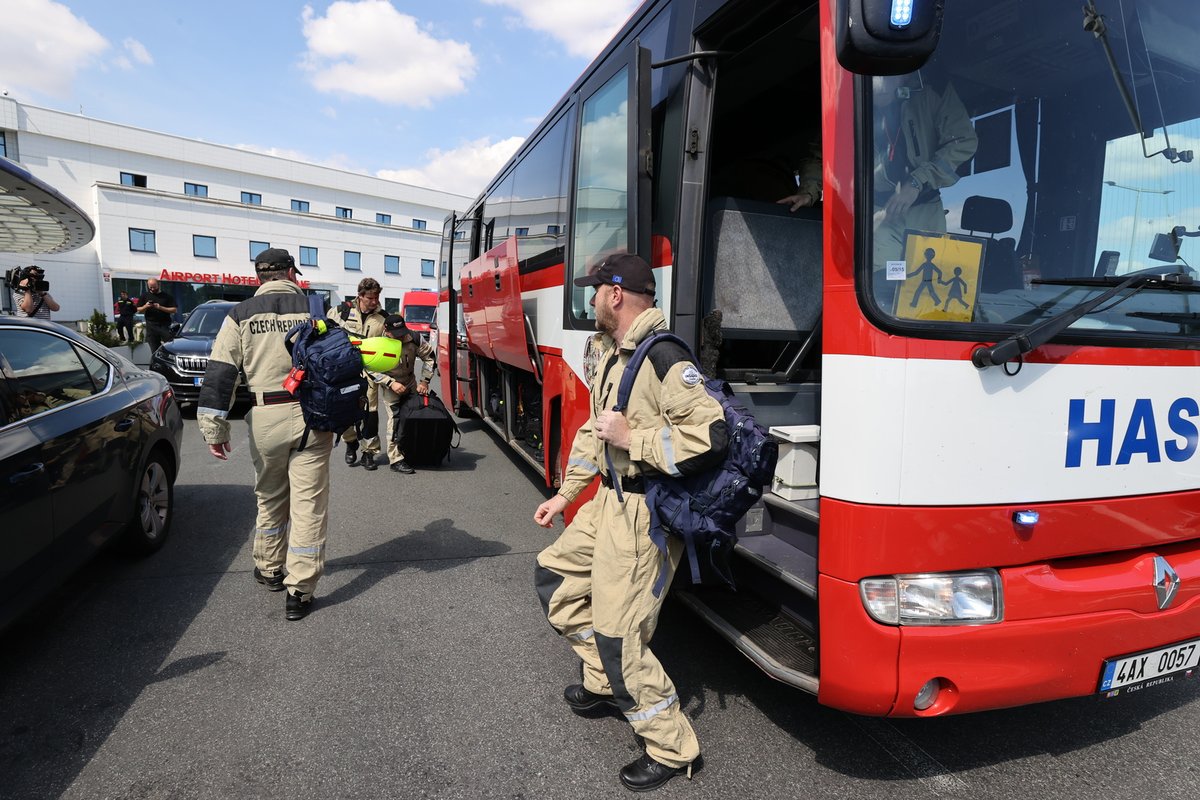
902, 13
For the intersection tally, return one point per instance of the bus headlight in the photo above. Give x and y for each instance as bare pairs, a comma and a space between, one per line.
948, 598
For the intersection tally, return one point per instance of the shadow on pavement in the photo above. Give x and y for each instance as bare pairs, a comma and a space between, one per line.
437, 546
61, 696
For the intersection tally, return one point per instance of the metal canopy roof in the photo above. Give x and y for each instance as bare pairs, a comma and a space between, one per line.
35, 218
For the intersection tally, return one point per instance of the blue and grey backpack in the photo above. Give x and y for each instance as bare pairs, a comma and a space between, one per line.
333, 390
702, 509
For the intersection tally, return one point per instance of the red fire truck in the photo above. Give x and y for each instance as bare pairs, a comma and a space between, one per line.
420, 310
976, 335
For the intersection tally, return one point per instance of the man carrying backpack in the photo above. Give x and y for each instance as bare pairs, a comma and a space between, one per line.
362, 319
398, 384
291, 485
596, 582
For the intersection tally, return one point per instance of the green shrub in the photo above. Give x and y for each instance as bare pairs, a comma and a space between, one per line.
101, 330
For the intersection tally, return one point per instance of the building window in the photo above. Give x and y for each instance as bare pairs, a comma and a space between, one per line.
554, 230
419, 224
252, 198
383, 219
3, 145
308, 256
258, 247
522, 231
460, 235
426, 267
391, 265
344, 213
204, 246
195, 190
391, 305
129, 179
141, 240
352, 260
300, 205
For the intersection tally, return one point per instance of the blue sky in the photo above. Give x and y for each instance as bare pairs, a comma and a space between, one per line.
438, 94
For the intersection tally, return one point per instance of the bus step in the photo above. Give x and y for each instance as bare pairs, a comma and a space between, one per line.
779, 644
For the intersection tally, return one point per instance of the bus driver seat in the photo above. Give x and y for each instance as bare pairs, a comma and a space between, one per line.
992, 215
766, 268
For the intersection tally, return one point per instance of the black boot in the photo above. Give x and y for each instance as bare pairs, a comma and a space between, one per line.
368, 462
273, 583
351, 453
297, 606
581, 700
402, 467
646, 773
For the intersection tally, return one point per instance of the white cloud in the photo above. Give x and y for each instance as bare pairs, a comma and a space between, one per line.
43, 45
464, 170
582, 28
138, 51
369, 48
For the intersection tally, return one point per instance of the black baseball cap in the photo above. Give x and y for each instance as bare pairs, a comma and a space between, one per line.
626, 270
275, 258
395, 324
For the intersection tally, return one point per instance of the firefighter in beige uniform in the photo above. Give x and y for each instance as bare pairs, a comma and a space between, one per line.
396, 384
363, 319
596, 581
290, 485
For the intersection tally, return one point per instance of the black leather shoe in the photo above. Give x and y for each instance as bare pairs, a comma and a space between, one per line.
368, 462
351, 453
273, 583
297, 607
646, 774
402, 466
581, 700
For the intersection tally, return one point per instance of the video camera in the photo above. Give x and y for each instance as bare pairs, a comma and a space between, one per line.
33, 273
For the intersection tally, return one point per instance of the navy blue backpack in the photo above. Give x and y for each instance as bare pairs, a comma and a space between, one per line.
333, 390
702, 509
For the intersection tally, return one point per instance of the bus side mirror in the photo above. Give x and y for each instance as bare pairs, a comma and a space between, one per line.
886, 37
1165, 248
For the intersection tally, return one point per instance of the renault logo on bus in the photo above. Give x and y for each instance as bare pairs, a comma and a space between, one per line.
1166, 582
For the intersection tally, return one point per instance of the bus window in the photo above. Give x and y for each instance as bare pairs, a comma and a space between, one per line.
1002, 195
601, 188
539, 206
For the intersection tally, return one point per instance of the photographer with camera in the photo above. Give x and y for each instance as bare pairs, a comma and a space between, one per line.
158, 306
31, 292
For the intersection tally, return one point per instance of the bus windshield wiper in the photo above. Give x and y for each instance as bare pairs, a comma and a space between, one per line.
1039, 333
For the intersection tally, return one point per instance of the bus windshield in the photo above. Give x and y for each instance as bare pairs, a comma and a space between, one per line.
1035, 161
420, 314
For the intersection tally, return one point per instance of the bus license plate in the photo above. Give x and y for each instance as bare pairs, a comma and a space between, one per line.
199, 381
1136, 671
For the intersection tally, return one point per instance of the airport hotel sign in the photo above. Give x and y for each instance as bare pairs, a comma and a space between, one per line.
224, 278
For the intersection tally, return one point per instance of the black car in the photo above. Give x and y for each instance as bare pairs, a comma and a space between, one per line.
183, 360
89, 451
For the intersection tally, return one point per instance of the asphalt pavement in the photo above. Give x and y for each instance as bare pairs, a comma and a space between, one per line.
427, 671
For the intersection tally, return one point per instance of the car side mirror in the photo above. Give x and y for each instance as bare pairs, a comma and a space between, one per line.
175, 328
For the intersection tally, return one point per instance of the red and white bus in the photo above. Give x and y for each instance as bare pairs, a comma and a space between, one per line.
1002, 389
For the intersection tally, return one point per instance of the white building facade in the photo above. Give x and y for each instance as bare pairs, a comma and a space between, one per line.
194, 215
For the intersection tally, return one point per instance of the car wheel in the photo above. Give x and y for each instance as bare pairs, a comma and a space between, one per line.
152, 510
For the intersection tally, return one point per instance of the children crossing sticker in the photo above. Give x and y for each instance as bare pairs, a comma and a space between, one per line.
941, 277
